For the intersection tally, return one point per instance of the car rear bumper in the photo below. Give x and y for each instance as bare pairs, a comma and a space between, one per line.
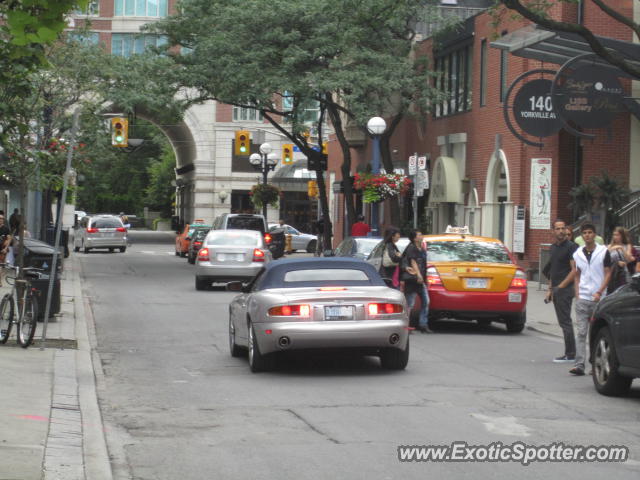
476, 304
105, 242
227, 273
373, 334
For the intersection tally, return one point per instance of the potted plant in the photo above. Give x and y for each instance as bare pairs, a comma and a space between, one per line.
376, 188
262, 194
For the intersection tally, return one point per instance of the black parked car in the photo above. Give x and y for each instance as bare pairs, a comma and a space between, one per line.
614, 338
196, 242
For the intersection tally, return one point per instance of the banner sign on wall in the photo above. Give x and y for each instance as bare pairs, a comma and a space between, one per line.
518, 229
540, 201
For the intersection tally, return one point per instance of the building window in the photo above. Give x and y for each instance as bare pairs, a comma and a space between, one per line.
504, 59
483, 73
127, 44
86, 38
93, 8
141, 8
241, 114
454, 81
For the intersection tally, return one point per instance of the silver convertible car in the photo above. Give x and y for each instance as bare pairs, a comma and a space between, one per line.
318, 303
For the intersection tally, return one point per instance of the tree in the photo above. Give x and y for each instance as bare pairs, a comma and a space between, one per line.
351, 59
160, 194
538, 12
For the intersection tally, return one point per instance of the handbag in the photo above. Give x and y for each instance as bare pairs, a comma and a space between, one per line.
386, 259
404, 275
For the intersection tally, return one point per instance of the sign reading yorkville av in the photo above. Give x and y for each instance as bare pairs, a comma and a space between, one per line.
533, 109
590, 96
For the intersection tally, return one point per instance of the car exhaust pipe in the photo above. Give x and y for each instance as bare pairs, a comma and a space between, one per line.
284, 342
394, 339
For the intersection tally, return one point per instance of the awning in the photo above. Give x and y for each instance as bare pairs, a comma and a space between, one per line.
547, 46
293, 177
445, 186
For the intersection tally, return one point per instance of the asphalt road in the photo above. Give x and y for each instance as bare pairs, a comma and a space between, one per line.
176, 405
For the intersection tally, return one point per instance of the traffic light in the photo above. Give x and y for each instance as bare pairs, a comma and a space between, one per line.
119, 132
243, 140
325, 148
312, 188
287, 153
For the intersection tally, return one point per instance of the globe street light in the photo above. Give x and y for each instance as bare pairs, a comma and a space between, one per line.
376, 127
265, 161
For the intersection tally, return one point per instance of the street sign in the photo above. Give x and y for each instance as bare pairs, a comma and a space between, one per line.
413, 164
422, 182
422, 162
533, 109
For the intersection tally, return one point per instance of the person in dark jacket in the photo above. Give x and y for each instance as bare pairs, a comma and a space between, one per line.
391, 255
414, 263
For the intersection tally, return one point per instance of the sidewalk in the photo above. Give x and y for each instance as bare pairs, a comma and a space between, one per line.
50, 425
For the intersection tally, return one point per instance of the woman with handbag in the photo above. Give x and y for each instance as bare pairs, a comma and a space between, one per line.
621, 254
414, 276
390, 255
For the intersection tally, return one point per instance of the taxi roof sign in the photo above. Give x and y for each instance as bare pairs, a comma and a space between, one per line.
459, 230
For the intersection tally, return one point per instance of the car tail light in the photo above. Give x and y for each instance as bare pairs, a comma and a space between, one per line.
267, 238
203, 255
92, 230
433, 277
384, 308
258, 255
519, 280
290, 311
121, 229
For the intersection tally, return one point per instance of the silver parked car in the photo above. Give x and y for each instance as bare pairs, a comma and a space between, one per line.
228, 255
375, 257
100, 231
318, 303
299, 240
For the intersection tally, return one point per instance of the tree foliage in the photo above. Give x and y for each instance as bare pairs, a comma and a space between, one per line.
351, 58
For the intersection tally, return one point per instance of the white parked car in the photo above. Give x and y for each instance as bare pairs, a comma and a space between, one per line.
100, 231
299, 240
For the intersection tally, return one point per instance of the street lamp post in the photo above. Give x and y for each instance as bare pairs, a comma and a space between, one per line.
265, 161
376, 127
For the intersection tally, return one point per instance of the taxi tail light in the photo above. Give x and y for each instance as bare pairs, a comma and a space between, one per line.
384, 308
303, 310
203, 255
258, 255
519, 280
92, 230
267, 238
121, 229
433, 277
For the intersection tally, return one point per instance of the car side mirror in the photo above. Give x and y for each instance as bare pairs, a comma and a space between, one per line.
235, 287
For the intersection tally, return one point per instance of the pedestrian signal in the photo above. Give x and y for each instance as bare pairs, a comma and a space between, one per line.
119, 132
243, 138
287, 153
312, 188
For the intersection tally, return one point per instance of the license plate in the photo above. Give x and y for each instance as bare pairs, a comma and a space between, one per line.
515, 297
338, 313
476, 282
233, 257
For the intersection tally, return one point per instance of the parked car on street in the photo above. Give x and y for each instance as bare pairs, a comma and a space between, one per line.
318, 303
356, 247
228, 255
375, 257
100, 231
614, 339
299, 240
184, 237
197, 237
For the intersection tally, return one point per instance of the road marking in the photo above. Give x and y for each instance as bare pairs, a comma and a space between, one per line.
503, 425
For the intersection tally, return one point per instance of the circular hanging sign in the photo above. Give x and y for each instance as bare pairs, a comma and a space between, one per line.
533, 109
590, 96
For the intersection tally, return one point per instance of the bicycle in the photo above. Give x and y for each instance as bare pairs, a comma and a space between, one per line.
21, 299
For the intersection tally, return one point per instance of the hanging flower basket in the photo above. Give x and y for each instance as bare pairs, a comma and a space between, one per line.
376, 188
265, 194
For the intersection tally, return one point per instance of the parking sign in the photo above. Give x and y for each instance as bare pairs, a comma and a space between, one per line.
413, 165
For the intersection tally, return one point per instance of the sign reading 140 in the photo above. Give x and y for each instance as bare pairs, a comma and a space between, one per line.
541, 102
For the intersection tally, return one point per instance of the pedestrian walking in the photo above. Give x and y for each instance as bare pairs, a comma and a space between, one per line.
561, 289
591, 266
414, 276
621, 252
391, 256
5, 242
319, 230
360, 228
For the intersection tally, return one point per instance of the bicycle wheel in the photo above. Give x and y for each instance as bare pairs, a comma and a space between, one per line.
27, 322
6, 317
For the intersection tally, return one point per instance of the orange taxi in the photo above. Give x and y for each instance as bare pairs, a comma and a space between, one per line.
475, 278
184, 237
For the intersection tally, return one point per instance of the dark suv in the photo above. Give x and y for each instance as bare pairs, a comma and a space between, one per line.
614, 338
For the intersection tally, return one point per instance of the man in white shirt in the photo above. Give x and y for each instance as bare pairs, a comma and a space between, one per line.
592, 267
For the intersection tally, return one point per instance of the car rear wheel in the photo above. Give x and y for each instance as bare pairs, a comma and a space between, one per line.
236, 351
76, 248
257, 361
111, 250
515, 323
201, 284
394, 358
605, 374
177, 253
123, 249
311, 246
84, 248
